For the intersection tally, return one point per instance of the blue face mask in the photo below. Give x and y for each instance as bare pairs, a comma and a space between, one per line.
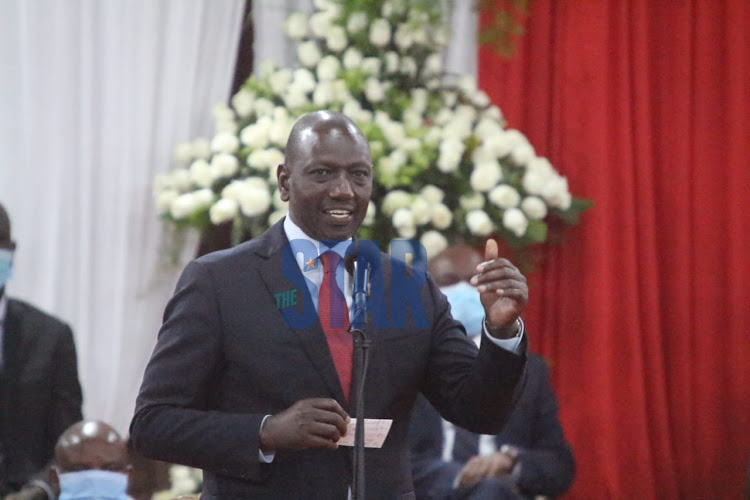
466, 306
6, 265
93, 484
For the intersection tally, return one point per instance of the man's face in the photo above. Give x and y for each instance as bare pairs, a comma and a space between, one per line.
94, 454
329, 183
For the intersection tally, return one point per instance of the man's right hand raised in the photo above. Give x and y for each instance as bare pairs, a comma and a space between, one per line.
308, 423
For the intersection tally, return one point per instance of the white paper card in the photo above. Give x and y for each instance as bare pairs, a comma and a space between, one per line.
376, 430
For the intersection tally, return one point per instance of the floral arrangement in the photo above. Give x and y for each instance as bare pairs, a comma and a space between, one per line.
183, 482
445, 166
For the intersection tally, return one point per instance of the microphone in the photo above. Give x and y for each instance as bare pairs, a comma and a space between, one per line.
367, 257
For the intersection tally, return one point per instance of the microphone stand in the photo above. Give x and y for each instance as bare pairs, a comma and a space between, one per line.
359, 372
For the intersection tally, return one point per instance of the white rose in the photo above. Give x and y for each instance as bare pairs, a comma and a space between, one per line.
280, 80
403, 217
394, 133
433, 242
391, 62
403, 37
556, 192
254, 201
380, 33
352, 58
308, 53
432, 194
225, 142
303, 79
370, 215
522, 154
222, 211
534, 208
255, 136
466, 112
387, 9
487, 127
480, 99
472, 201
164, 200
374, 90
451, 152
407, 232
411, 145
320, 24
224, 165
183, 153
493, 112
485, 176
200, 173
458, 128
328, 68
222, 113
276, 216
258, 159
371, 65
296, 26
445, 115
255, 183
202, 148
479, 222
228, 126
433, 136
419, 97
394, 200
534, 181
336, 39
242, 102
467, 83
295, 100
323, 94
203, 198
515, 221
279, 132
180, 179
357, 22
442, 217
182, 206
499, 144
422, 211
504, 196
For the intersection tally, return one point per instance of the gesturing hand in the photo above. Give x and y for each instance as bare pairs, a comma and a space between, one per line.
503, 291
308, 423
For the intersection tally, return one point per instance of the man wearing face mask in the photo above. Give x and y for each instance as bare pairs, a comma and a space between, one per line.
40, 395
92, 463
529, 458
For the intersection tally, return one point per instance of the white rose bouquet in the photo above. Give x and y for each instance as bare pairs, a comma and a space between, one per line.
446, 167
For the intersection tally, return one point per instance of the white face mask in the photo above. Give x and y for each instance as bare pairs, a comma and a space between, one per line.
6, 265
93, 484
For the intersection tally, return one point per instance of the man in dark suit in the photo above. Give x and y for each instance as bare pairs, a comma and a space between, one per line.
529, 457
247, 384
40, 395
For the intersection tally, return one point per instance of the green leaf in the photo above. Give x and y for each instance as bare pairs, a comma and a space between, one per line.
537, 231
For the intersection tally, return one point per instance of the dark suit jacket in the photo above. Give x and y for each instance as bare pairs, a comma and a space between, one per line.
225, 358
40, 395
547, 465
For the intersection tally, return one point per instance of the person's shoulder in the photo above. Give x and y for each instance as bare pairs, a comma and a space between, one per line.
26, 312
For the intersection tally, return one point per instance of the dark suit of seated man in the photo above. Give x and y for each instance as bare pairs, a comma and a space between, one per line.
529, 457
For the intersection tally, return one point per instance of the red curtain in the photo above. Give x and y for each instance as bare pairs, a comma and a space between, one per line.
642, 311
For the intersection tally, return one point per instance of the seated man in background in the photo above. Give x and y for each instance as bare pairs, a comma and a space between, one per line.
92, 463
40, 395
530, 457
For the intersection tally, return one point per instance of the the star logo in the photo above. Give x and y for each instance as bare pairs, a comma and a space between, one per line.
310, 264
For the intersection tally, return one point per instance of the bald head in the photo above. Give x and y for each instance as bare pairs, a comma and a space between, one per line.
310, 127
91, 444
5, 236
454, 264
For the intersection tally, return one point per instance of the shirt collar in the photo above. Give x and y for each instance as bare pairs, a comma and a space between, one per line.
294, 232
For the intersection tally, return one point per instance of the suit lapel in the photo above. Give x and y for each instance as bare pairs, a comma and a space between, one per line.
280, 274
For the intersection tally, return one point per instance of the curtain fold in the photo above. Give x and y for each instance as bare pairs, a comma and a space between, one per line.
95, 95
643, 106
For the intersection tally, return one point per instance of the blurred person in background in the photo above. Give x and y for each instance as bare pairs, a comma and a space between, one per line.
40, 394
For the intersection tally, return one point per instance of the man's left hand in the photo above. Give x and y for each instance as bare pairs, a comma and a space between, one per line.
503, 291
